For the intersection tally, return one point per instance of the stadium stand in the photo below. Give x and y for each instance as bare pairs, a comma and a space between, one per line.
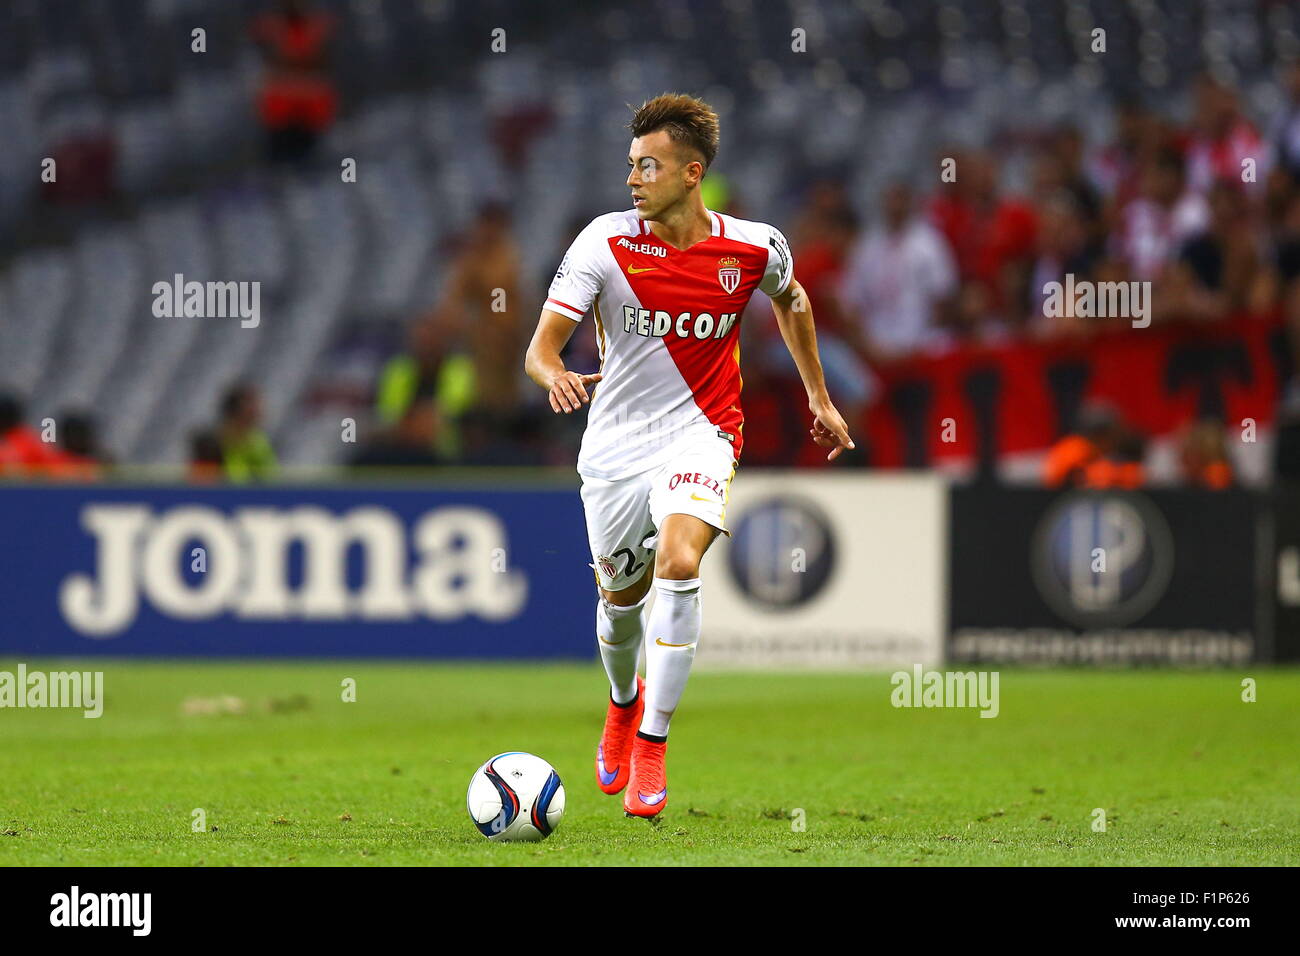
163, 169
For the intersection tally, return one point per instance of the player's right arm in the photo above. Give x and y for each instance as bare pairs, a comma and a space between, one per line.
573, 291
567, 390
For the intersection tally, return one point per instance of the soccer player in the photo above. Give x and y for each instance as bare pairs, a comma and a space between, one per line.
665, 283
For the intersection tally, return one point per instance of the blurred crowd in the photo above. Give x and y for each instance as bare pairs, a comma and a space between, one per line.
66, 446
1208, 213
956, 256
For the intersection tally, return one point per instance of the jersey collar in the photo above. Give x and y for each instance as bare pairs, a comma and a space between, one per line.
717, 230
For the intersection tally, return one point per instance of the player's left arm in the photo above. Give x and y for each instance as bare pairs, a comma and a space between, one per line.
795, 319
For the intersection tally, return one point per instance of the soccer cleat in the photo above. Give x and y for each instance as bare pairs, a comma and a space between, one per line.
647, 791
614, 752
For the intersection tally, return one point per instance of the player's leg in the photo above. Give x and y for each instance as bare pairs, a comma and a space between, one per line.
688, 503
618, 523
675, 620
674, 629
620, 627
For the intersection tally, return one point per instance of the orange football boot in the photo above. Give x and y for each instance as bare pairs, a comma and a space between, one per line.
647, 791
614, 752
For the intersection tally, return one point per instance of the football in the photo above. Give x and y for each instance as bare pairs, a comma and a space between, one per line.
516, 797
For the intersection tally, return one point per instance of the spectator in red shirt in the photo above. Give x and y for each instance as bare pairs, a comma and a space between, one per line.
821, 264
22, 453
298, 101
827, 230
991, 235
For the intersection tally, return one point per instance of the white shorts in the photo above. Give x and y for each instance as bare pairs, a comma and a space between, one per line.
624, 515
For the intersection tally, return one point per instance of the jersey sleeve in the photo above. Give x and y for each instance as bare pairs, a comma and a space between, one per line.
581, 276
780, 264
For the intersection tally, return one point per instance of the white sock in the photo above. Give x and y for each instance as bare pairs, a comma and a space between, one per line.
674, 629
619, 631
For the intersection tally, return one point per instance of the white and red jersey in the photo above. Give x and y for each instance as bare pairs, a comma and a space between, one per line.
667, 326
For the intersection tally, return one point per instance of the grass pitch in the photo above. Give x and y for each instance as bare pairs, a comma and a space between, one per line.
1186, 772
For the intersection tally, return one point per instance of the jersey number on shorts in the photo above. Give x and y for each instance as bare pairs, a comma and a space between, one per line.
632, 565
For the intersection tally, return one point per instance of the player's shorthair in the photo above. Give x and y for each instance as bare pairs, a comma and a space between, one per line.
686, 120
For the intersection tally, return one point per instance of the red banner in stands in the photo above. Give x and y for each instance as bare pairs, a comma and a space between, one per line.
1022, 397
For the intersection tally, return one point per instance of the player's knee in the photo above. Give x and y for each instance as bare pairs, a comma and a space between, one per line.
677, 566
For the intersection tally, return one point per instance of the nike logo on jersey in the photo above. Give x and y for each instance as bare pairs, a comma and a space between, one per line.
687, 325
634, 271
695, 497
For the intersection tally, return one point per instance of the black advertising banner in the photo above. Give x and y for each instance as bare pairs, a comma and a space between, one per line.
1285, 579
1103, 577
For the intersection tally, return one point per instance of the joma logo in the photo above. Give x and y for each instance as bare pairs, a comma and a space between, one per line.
246, 568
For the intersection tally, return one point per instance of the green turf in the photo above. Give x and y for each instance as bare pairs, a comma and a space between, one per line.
1186, 772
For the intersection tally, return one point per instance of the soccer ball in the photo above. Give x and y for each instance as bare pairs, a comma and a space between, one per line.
516, 796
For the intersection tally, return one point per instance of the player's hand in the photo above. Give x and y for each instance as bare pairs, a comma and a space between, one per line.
829, 429
569, 391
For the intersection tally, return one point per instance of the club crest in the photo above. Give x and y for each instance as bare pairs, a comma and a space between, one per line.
729, 274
